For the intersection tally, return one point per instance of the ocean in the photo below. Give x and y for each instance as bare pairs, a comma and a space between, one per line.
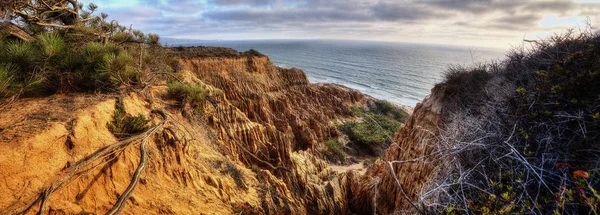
402, 73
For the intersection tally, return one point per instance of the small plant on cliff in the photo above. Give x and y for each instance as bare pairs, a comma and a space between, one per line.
376, 129
183, 92
333, 150
388, 109
123, 124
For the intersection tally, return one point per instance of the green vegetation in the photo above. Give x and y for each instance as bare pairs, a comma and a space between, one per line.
183, 92
521, 136
388, 109
75, 52
376, 130
201, 51
333, 150
123, 124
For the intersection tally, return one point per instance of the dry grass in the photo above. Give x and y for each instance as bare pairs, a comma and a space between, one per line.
520, 136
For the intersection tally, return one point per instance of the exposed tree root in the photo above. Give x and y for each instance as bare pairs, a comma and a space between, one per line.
77, 168
118, 207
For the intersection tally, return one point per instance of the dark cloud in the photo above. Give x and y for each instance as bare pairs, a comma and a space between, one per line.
471, 6
355, 17
241, 2
403, 12
284, 16
518, 19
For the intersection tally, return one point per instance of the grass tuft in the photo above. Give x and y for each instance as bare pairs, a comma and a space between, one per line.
124, 125
192, 93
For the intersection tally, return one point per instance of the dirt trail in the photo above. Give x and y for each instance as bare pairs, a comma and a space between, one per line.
360, 167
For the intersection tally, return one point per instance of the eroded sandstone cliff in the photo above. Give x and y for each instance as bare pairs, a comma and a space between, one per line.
396, 181
248, 149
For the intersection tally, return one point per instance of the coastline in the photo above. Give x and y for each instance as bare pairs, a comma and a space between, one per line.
409, 109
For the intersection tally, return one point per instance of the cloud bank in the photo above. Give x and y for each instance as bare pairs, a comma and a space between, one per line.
497, 23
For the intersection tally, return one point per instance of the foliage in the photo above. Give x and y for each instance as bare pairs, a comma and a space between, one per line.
123, 124
51, 44
388, 109
192, 93
333, 150
376, 130
76, 51
8, 72
116, 69
201, 51
521, 136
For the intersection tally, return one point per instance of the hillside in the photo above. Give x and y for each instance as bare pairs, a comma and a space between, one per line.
255, 144
514, 137
99, 118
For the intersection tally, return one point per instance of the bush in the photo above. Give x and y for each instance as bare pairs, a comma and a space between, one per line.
123, 125
8, 72
22, 54
374, 133
192, 93
51, 44
116, 70
333, 150
522, 136
388, 109
49, 64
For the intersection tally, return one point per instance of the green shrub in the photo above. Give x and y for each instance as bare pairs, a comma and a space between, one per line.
80, 59
521, 136
51, 44
121, 37
116, 70
388, 109
333, 150
373, 134
7, 78
192, 93
124, 125
22, 54
152, 39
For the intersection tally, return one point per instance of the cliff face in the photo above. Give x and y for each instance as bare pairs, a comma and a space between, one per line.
281, 119
246, 150
407, 165
280, 99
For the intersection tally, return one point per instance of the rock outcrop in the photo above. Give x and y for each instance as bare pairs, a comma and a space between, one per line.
408, 165
249, 149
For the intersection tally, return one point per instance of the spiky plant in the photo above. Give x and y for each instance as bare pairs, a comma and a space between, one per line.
152, 39
118, 70
93, 53
22, 54
123, 124
192, 93
51, 44
121, 37
7, 77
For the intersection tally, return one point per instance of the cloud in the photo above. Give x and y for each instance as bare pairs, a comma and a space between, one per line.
241, 2
361, 19
403, 12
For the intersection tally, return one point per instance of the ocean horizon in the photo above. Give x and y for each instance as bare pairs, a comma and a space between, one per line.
402, 73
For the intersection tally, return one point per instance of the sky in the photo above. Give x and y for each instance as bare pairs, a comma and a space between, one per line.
480, 23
